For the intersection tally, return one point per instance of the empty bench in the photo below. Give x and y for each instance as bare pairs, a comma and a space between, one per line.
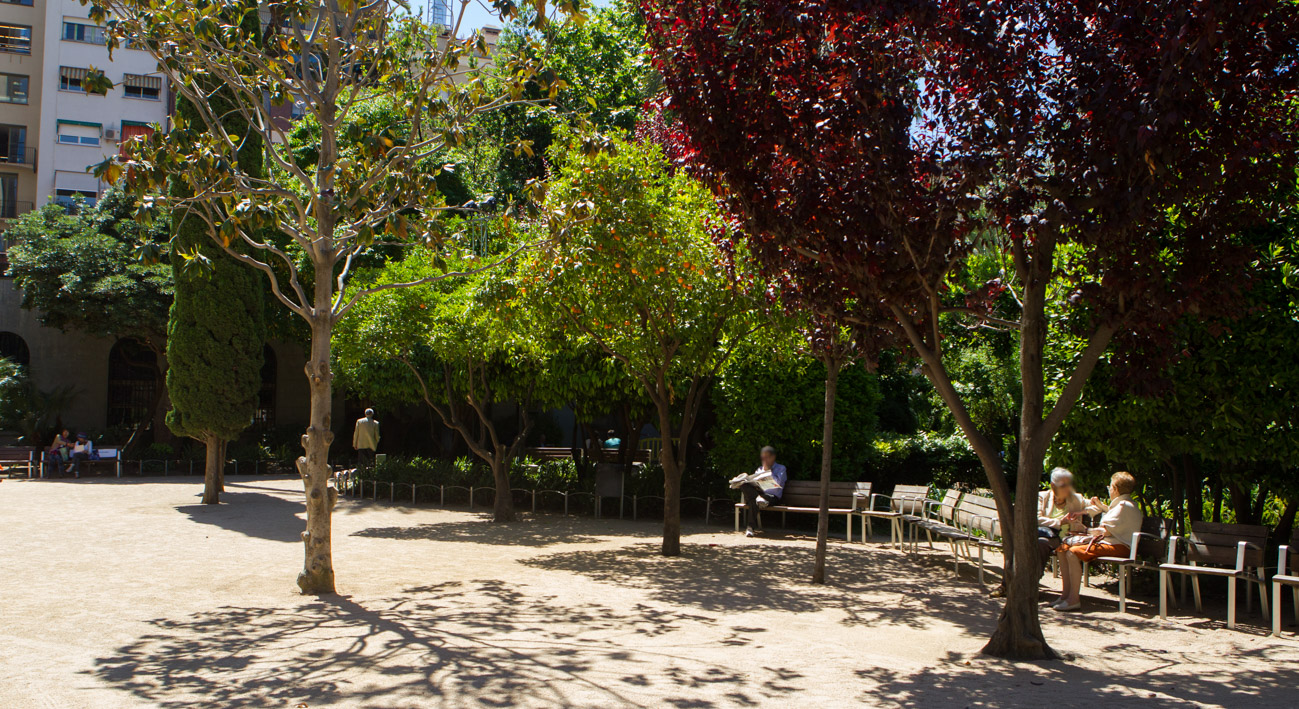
1287, 574
1230, 551
804, 496
19, 458
906, 500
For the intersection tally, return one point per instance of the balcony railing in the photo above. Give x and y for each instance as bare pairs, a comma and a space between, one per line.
12, 210
17, 156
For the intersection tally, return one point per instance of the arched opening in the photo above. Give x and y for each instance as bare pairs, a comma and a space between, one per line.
132, 382
14, 349
265, 416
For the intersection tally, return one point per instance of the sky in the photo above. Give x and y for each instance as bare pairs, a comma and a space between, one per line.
477, 13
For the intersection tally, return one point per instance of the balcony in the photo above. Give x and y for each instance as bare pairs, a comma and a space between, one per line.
12, 210
18, 155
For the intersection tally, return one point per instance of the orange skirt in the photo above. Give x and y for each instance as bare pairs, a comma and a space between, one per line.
1094, 550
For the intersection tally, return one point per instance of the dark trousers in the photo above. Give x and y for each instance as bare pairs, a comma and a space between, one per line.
752, 515
76, 462
364, 457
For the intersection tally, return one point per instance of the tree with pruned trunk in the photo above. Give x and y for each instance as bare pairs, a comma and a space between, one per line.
366, 188
1102, 151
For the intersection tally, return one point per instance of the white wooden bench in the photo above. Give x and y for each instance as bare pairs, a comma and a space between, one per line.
1230, 551
905, 500
804, 497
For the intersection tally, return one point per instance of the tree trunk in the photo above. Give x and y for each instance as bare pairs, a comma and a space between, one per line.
221, 466
832, 365
212, 470
317, 575
1194, 492
503, 507
671, 483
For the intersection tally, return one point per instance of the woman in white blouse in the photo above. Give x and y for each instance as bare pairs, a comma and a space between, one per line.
1121, 520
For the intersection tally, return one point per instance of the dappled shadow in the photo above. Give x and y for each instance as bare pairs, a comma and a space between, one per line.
723, 578
254, 514
482, 643
1136, 676
537, 531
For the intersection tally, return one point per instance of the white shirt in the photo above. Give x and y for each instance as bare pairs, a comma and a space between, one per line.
1122, 519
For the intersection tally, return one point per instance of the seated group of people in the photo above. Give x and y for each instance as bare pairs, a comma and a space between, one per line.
1061, 530
67, 453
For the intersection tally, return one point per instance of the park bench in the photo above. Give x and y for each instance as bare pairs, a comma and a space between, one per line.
804, 496
905, 499
1231, 551
106, 457
977, 515
1147, 548
1287, 565
22, 458
940, 518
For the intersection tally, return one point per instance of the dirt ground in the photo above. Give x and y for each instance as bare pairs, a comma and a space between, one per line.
130, 594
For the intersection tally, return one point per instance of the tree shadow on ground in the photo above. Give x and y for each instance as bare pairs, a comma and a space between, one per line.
1136, 677
536, 531
725, 578
253, 514
482, 643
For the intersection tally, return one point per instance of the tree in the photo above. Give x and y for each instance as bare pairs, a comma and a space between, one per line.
461, 348
365, 188
640, 275
607, 76
875, 147
81, 270
217, 330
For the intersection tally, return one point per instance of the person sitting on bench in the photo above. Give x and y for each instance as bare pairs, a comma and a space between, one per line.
1110, 538
82, 450
764, 491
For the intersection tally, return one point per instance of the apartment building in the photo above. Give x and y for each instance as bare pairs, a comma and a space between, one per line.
22, 51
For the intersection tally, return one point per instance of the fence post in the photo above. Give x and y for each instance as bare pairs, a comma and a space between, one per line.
392, 492
566, 503
442, 495
633, 507
166, 468
708, 508
534, 502
236, 472
191, 466
471, 497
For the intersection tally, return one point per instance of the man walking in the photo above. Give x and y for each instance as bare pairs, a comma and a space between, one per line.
365, 439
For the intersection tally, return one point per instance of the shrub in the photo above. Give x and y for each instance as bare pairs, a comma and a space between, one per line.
923, 458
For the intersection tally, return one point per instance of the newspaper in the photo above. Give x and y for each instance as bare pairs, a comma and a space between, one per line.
762, 478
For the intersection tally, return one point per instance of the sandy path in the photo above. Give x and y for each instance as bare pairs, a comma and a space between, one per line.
128, 594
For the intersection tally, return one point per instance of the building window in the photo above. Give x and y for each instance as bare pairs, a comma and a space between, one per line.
80, 133
72, 78
9, 205
13, 145
13, 88
28, 3
132, 382
142, 87
14, 349
16, 39
77, 32
68, 199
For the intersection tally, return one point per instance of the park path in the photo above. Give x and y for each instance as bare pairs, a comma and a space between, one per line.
127, 593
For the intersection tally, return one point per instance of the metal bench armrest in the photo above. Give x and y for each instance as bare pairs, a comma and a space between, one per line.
1283, 556
1173, 541
1241, 547
1136, 537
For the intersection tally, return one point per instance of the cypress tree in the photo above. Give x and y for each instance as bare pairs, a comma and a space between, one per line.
216, 332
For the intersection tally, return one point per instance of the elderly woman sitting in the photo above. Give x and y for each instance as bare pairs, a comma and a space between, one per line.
1121, 520
1059, 514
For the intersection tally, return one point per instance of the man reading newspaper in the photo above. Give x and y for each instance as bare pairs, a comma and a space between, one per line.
760, 488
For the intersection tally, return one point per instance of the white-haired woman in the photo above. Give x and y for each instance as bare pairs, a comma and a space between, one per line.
1059, 514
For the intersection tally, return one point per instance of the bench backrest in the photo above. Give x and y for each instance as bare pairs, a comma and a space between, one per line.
1154, 549
16, 453
946, 510
978, 513
1214, 544
909, 499
807, 493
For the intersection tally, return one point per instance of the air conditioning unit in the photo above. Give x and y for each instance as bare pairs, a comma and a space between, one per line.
110, 134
